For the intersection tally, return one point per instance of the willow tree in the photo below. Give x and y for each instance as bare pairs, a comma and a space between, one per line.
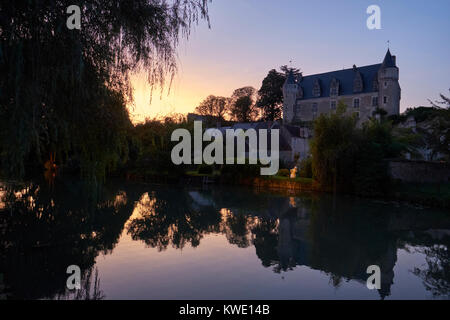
63, 93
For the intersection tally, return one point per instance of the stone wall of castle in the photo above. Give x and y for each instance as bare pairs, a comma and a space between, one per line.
304, 110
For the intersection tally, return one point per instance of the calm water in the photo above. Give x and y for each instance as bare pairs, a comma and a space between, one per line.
135, 241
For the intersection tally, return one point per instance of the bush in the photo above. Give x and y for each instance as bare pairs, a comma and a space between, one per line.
234, 172
305, 168
283, 173
205, 169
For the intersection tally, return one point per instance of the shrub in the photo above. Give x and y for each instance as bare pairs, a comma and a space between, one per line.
283, 173
306, 168
234, 172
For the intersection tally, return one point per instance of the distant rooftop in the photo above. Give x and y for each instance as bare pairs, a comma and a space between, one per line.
345, 78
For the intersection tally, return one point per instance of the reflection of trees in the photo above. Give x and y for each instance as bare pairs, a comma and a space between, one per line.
237, 228
50, 229
90, 288
340, 237
265, 241
165, 218
436, 278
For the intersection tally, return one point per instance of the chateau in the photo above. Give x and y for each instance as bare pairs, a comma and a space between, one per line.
362, 89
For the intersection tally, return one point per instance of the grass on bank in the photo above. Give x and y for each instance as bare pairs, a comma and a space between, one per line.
195, 173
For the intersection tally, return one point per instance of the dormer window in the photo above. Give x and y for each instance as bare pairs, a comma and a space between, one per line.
334, 87
316, 88
357, 82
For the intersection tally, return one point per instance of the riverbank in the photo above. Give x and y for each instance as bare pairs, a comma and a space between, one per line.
423, 194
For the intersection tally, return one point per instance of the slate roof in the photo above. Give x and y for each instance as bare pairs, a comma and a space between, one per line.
389, 61
293, 130
345, 78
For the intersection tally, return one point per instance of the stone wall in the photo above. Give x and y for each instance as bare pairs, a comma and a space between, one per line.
419, 171
365, 110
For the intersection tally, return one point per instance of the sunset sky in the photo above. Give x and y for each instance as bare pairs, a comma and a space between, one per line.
249, 37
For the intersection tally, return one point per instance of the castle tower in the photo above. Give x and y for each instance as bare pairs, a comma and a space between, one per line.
289, 97
389, 88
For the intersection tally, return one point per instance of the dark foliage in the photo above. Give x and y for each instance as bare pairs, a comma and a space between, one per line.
63, 93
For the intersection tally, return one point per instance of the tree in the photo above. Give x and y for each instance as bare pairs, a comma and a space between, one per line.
64, 92
333, 147
213, 106
445, 102
438, 134
348, 158
287, 69
271, 95
437, 137
242, 106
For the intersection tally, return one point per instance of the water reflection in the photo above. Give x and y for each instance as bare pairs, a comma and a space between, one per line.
44, 230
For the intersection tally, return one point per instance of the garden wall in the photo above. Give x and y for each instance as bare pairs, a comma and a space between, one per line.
419, 171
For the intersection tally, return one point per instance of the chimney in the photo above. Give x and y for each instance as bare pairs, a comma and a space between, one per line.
395, 60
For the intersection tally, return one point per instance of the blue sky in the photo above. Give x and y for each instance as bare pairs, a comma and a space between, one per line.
249, 37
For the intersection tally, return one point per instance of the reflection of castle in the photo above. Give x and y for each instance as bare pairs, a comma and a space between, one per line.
286, 235
341, 259
340, 238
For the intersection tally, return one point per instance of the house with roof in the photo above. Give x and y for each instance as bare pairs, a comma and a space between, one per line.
293, 140
362, 89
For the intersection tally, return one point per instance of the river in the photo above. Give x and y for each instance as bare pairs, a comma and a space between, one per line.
144, 241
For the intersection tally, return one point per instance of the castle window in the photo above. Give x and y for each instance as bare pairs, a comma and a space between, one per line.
333, 105
316, 88
358, 82
357, 114
314, 110
385, 84
374, 101
384, 99
334, 87
356, 103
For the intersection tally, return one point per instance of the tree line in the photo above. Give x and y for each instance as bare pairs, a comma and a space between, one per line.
248, 104
63, 93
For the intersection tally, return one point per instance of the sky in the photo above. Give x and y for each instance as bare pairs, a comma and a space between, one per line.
247, 38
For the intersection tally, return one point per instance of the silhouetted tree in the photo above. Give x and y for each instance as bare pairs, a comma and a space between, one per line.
444, 103
270, 99
64, 92
242, 104
213, 106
